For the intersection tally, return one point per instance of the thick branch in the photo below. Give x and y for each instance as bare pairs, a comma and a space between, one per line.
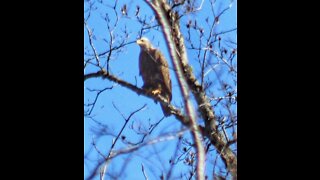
166, 19
170, 24
176, 112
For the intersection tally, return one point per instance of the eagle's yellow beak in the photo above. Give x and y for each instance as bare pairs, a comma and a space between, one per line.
138, 41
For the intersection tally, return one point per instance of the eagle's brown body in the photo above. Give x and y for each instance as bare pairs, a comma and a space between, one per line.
154, 70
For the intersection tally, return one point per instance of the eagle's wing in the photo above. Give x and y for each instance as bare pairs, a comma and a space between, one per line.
164, 73
155, 73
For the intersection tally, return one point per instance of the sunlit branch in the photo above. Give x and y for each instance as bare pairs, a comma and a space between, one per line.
224, 129
91, 43
169, 23
167, 19
168, 137
144, 173
115, 153
200, 7
175, 111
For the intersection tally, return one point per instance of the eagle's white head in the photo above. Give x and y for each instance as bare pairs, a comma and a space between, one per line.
144, 43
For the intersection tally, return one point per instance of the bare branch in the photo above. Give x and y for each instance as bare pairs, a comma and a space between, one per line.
152, 127
96, 98
144, 173
113, 154
172, 159
170, 25
103, 170
176, 112
91, 43
167, 137
122, 44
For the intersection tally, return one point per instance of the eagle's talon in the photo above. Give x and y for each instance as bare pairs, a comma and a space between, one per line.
156, 92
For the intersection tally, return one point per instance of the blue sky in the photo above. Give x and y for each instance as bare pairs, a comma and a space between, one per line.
124, 65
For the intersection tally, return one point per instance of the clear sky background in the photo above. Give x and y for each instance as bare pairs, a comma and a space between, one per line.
124, 65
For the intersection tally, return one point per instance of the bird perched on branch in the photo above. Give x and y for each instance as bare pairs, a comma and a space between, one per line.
154, 70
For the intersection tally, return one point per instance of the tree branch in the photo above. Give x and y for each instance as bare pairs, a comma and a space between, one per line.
176, 112
170, 25
168, 21
104, 169
144, 173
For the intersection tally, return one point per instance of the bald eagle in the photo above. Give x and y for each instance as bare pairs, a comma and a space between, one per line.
154, 70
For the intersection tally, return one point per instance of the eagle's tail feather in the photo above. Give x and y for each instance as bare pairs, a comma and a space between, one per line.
166, 111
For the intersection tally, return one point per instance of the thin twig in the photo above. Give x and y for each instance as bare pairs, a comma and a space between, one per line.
102, 173
96, 98
91, 43
144, 173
